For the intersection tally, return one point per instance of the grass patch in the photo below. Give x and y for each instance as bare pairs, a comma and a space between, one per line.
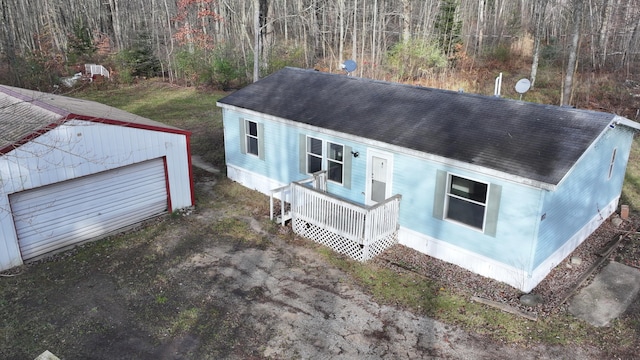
185, 321
238, 230
631, 187
182, 107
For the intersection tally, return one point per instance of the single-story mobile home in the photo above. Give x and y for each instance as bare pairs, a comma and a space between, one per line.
72, 170
504, 188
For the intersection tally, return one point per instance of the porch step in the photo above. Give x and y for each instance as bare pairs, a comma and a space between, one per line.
287, 217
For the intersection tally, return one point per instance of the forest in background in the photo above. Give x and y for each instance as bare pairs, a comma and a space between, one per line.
580, 52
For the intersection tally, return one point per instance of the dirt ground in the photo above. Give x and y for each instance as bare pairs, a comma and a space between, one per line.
218, 283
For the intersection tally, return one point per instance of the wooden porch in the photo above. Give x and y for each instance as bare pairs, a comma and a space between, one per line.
358, 231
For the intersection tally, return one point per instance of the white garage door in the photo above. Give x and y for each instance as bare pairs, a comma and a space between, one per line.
62, 214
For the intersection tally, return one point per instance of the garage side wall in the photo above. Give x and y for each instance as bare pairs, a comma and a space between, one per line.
81, 148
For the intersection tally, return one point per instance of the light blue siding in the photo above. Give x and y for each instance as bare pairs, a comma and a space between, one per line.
584, 193
282, 148
531, 223
515, 232
413, 177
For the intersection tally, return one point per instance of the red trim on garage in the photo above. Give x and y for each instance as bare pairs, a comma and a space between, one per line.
28, 138
127, 124
191, 181
166, 184
70, 117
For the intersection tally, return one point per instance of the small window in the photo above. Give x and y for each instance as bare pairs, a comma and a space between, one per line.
612, 163
466, 201
335, 162
251, 132
314, 155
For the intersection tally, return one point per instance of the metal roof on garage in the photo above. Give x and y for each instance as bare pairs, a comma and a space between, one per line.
25, 113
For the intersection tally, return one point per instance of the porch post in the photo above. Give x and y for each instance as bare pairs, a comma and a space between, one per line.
366, 239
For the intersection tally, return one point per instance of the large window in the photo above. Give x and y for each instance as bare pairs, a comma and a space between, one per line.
251, 133
318, 155
466, 201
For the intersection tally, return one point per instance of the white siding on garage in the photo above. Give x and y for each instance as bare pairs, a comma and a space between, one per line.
55, 216
78, 149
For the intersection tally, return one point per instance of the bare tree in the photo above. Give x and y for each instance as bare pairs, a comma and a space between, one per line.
539, 9
406, 20
573, 52
324, 31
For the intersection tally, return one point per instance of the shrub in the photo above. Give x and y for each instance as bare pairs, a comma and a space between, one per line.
138, 61
284, 55
414, 59
221, 68
189, 64
226, 69
31, 71
501, 53
551, 54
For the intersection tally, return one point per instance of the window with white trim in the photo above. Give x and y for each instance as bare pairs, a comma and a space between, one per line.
251, 133
466, 201
335, 162
317, 155
314, 155
612, 163
251, 138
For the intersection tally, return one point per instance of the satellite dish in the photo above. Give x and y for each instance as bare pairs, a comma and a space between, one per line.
349, 66
523, 85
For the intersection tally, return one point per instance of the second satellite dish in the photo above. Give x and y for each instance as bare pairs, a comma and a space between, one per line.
349, 66
523, 85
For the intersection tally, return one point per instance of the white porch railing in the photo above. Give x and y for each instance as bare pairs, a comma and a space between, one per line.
317, 181
93, 69
359, 231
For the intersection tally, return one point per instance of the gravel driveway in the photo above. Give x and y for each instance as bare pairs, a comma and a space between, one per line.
301, 307
216, 285
295, 305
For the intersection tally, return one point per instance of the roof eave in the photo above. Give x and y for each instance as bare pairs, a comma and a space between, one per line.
16, 144
415, 153
127, 124
619, 120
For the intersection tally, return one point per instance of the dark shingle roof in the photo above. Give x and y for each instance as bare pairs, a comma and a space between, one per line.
24, 112
533, 141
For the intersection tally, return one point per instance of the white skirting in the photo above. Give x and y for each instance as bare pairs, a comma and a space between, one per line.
479, 264
493, 269
252, 180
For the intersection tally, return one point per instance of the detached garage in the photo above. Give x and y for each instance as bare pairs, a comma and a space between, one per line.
73, 170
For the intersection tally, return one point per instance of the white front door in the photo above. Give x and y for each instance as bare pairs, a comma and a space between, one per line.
379, 175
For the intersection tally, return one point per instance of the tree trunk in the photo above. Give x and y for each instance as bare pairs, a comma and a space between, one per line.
406, 21
354, 32
341, 31
539, 9
115, 20
256, 40
603, 34
374, 34
573, 53
480, 26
